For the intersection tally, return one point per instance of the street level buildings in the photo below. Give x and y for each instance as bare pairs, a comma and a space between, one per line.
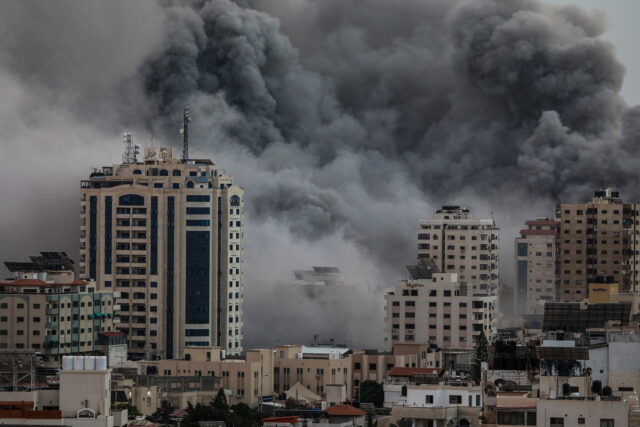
167, 235
459, 243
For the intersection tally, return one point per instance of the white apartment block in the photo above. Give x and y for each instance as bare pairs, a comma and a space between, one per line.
535, 259
459, 243
167, 234
434, 308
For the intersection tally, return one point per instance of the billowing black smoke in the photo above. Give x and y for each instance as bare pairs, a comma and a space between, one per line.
345, 121
457, 95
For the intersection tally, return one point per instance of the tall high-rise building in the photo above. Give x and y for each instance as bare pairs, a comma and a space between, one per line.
535, 256
459, 243
167, 234
596, 239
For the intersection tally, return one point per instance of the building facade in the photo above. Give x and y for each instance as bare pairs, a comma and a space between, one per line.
313, 367
167, 234
246, 380
459, 243
434, 308
53, 313
535, 259
596, 238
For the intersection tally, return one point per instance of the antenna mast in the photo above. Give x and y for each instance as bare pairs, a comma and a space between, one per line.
130, 151
185, 134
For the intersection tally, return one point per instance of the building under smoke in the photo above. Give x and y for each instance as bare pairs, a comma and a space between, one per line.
167, 234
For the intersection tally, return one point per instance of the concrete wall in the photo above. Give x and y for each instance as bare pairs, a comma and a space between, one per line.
591, 410
85, 389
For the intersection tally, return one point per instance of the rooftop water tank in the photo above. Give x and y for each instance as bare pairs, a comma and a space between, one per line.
67, 363
78, 363
90, 363
101, 363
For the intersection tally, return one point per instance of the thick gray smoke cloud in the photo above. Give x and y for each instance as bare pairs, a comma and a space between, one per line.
344, 121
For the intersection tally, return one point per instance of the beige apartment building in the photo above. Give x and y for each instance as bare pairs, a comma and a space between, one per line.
167, 234
262, 372
245, 380
51, 311
313, 367
535, 259
434, 308
373, 365
459, 243
596, 238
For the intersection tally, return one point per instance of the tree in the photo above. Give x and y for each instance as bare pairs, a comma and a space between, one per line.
371, 392
220, 401
480, 354
163, 413
239, 415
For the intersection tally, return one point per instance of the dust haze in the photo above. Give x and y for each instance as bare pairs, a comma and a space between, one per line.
345, 122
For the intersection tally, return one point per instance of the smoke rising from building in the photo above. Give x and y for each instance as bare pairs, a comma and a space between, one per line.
344, 121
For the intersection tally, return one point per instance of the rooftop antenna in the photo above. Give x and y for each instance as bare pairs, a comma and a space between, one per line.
185, 134
131, 151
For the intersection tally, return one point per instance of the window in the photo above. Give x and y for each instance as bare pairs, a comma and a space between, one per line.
580, 420
606, 422
356, 366
198, 211
198, 223
556, 422
455, 399
372, 366
198, 198
131, 200
428, 398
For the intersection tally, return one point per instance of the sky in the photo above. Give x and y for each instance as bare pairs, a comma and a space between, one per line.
623, 31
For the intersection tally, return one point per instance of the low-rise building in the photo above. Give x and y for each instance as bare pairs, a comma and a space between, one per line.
83, 398
438, 405
315, 367
245, 380
582, 412
373, 365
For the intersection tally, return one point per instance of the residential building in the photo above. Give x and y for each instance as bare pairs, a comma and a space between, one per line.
596, 238
247, 380
83, 398
167, 234
459, 243
434, 405
512, 409
435, 308
535, 266
315, 367
582, 412
374, 365
318, 276
53, 312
